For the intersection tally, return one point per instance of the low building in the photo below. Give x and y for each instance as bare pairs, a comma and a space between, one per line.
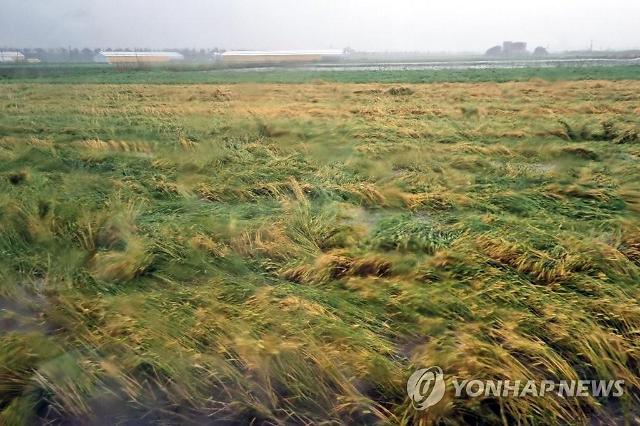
11, 57
264, 57
514, 48
137, 57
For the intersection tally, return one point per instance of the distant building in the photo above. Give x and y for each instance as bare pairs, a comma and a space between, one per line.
262, 57
137, 57
514, 48
8, 57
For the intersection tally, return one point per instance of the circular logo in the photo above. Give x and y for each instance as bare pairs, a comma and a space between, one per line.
426, 387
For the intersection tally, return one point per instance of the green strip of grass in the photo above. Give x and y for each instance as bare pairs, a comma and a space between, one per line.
84, 74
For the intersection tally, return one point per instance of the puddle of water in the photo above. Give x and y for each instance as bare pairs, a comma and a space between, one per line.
24, 315
450, 65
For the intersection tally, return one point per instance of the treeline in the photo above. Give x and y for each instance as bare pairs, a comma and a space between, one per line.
77, 55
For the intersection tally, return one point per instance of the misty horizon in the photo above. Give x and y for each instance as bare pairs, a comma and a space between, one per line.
374, 26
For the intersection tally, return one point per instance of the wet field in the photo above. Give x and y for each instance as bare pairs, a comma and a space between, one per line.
456, 64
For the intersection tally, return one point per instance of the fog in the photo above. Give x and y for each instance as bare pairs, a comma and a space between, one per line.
373, 25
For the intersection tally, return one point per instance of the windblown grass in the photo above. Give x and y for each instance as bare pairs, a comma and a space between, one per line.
284, 254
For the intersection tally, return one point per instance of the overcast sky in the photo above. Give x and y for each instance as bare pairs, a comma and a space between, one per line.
406, 25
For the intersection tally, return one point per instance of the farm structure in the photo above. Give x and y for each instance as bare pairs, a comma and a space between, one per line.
10, 57
512, 48
137, 57
509, 48
280, 57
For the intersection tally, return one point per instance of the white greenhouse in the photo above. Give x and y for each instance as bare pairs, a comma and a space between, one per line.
279, 56
11, 57
137, 57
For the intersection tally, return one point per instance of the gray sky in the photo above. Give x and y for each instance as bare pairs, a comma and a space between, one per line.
407, 25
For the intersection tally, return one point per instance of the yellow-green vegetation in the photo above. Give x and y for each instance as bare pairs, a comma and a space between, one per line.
292, 253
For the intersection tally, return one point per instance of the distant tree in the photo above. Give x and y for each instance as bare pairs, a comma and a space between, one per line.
494, 51
540, 51
60, 55
86, 55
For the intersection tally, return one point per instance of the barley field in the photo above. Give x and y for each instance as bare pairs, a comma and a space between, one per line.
291, 253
